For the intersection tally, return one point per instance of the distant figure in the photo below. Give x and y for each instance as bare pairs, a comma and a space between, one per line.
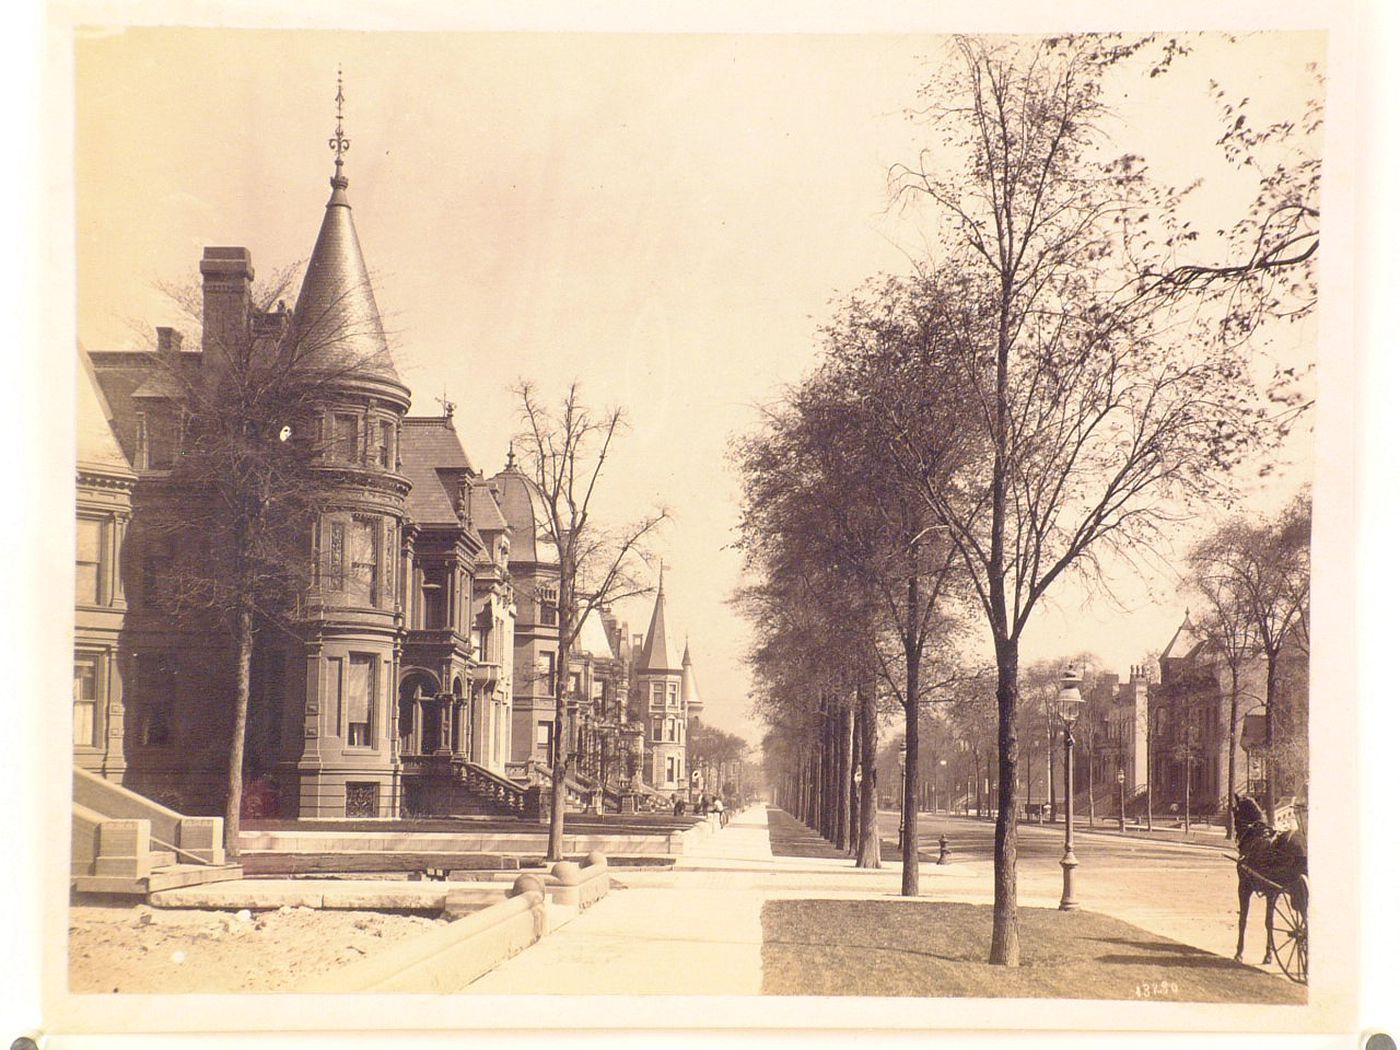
677, 805
719, 808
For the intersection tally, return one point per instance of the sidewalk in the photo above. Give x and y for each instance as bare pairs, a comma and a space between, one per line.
696, 929
688, 931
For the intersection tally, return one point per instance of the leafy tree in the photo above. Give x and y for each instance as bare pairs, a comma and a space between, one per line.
826, 504
565, 448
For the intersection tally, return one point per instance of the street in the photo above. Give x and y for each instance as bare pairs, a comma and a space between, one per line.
1184, 890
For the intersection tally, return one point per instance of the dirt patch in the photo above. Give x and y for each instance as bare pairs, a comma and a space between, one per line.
136, 948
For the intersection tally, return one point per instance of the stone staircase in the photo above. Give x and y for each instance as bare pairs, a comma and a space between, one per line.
488, 793
124, 843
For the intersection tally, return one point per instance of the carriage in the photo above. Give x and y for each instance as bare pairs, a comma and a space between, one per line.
1274, 865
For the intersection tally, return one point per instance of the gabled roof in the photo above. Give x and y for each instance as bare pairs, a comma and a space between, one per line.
658, 654
1184, 642
593, 637
433, 460
485, 511
336, 323
98, 449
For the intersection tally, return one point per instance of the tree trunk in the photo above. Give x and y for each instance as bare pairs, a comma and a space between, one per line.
1233, 735
843, 781
1149, 770
242, 672
1089, 763
909, 882
868, 842
1271, 770
559, 767
1006, 935
852, 785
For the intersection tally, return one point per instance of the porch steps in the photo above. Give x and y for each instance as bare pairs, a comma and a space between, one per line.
124, 843
171, 877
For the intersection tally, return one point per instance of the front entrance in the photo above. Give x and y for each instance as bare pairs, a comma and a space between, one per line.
420, 719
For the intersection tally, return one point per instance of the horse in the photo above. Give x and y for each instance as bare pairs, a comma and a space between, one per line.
1270, 862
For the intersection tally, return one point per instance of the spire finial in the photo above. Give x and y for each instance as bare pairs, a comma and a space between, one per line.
510, 455
339, 144
661, 579
448, 407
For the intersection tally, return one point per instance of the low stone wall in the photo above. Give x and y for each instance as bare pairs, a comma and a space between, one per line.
579, 886
671, 843
448, 959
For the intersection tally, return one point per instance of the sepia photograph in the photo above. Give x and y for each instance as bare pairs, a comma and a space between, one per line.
819, 519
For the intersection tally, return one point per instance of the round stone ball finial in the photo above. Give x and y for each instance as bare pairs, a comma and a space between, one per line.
526, 884
567, 872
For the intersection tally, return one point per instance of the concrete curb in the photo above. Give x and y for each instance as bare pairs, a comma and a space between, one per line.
448, 959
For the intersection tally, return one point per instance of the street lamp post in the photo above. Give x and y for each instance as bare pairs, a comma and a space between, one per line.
941, 763
1122, 818
1067, 705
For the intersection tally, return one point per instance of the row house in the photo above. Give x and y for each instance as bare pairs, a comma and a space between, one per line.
416, 673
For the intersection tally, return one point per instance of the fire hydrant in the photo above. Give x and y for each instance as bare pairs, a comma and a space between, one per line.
942, 849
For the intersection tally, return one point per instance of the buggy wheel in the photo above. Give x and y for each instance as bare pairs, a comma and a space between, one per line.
1288, 932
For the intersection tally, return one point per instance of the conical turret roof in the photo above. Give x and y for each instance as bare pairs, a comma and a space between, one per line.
337, 324
657, 651
690, 689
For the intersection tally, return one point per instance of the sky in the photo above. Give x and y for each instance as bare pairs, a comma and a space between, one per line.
666, 218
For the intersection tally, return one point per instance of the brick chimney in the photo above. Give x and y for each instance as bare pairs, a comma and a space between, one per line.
228, 297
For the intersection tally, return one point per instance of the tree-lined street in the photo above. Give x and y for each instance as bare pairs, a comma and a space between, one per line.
699, 928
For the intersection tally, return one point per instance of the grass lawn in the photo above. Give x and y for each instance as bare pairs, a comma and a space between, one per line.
789, 837
938, 950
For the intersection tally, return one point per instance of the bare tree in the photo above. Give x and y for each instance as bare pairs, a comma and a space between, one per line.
1096, 415
249, 477
1256, 577
1227, 626
566, 448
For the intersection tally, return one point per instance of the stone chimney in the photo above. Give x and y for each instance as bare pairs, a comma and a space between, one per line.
168, 340
228, 297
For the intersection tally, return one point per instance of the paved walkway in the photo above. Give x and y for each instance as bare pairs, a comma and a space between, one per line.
687, 931
696, 929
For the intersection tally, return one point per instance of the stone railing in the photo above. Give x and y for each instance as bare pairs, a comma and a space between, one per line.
483, 783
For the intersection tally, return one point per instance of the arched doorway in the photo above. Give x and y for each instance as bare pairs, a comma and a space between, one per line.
418, 712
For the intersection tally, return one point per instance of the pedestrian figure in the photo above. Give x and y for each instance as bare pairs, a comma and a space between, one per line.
719, 808
677, 806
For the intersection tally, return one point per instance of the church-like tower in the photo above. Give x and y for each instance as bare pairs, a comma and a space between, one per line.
659, 673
